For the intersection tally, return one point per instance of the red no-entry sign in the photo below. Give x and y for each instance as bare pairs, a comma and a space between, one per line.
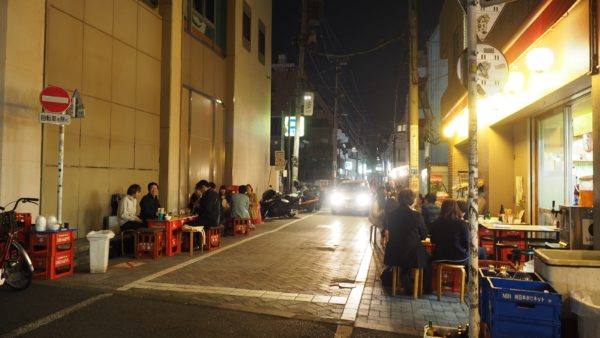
55, 99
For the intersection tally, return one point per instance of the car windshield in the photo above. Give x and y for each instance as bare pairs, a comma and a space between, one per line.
352, 186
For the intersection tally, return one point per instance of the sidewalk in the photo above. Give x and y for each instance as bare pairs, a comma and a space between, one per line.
317, 267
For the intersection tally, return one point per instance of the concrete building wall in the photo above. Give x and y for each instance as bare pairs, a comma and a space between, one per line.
251, 98
111, 52
21, 79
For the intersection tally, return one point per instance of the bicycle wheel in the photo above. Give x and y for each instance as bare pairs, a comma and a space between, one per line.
16, 269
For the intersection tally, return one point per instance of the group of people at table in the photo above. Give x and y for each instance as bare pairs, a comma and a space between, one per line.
212, 208
403, 229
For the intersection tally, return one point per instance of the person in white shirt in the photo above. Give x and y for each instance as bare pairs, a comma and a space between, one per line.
127, 211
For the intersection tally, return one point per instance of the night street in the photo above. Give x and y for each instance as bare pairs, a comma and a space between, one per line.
308, 277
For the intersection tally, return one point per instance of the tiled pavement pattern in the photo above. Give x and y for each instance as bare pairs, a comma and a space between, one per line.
309, 268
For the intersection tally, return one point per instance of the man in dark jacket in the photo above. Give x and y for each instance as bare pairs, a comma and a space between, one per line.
404, 249
209, 207
149, 204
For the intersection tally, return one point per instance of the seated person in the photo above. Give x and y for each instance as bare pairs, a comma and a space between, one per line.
207, 208
429, 209
406, 229
450, 235
224, 204
240, 203
149, 204
127, 210
462, 205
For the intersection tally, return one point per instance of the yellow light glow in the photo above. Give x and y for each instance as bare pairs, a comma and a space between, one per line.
449, 131
515, 83
540, 59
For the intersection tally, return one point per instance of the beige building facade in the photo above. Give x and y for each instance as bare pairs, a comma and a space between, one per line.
532, 147
174, 92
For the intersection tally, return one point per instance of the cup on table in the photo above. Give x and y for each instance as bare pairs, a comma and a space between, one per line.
510, 219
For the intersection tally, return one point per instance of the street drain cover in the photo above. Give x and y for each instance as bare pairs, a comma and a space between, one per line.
347, 285
343, 283
327, 248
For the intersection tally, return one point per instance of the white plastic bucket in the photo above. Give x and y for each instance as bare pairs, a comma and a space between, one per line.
99, 242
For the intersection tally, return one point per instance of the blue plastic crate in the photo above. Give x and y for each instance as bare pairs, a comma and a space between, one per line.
510, 328
523, 308
484, 287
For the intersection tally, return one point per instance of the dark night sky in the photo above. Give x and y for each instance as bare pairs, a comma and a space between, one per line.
370, 80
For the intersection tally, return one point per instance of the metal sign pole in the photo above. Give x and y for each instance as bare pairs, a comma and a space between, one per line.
61, 157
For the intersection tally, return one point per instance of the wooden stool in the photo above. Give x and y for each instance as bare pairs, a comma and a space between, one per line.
123, 233
516, 254
463, 275
190, 230
417, 283
149, 241
241, 226
213, 236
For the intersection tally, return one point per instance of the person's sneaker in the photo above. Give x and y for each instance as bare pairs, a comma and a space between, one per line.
252, 227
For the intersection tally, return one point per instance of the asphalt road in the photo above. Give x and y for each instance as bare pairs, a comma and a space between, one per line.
303, 257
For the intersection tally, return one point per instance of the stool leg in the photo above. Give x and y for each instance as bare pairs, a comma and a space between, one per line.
122, 246
416, 284
394, 271
421, 274
439, 282
462, 285
191, 243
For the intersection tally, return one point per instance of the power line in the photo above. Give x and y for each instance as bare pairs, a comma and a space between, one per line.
362, 52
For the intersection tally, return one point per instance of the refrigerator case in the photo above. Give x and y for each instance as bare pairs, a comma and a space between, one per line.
576, 227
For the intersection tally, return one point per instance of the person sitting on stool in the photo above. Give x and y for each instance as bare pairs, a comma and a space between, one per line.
404, 249
127, 211
150, 204
208, 209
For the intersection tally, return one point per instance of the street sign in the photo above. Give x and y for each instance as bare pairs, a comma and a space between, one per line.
55, 99
290, 126
491, 67
486, 18
55, 118
309, 103
77, 108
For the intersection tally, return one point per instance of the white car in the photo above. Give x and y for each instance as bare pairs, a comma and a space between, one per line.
350, 196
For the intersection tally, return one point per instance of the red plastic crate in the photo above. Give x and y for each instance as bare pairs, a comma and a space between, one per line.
450, 280
52, 266
51, 242
506, 252
513, 234
485, 232
488, 248
214, 238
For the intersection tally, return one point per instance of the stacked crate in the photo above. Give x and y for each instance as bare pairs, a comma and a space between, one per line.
24, 224
51, 253
517, 308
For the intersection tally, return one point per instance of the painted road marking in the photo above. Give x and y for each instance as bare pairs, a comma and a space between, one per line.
55, 316
351, 308
205, 256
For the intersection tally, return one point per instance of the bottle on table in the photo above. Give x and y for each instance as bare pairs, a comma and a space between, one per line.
501, 214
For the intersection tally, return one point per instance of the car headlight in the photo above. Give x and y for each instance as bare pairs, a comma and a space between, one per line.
336, 198
363, 199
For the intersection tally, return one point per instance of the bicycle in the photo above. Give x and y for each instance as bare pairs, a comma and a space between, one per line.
16, 269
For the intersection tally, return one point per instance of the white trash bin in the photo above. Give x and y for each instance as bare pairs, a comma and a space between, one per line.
586, 305
99, 241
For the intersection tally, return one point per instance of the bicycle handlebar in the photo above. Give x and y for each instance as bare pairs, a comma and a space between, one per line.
22, 199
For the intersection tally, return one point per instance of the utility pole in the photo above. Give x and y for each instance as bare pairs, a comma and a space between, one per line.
473, 286
298, 100
413, 95
334, 130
